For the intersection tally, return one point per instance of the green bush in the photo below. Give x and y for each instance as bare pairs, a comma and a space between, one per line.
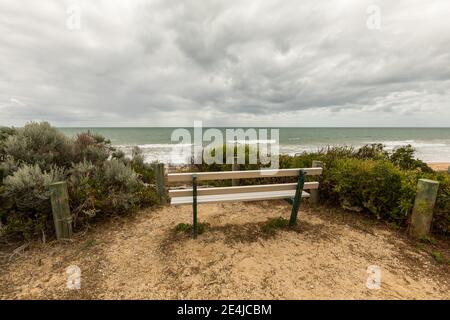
441, 216
91, 147
27, 207
372, 180
112, 188
403, 157
376, 186
101, 181
39, 144
5, 132
368, 179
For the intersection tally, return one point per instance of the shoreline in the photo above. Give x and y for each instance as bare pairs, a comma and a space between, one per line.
436, 166
439, 166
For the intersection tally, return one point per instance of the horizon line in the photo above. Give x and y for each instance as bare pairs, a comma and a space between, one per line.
227, 127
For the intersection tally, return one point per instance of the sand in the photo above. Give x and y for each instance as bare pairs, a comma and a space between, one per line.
439, 166
140, 257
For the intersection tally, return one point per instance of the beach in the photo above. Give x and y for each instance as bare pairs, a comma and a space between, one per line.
439, 166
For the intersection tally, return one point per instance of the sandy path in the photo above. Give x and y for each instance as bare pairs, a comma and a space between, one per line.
142, 258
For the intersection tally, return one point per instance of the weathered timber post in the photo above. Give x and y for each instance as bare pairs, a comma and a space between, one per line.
61, 212
422, 213
235, 167
314, 193
160, 182
448, 170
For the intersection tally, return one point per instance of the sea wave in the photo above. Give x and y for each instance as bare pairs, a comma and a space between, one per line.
252, 141
179, 153
414, 143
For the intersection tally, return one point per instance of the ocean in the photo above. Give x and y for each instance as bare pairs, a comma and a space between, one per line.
432, 144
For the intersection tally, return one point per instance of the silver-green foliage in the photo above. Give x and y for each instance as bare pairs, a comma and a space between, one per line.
28, 195
39, 143
100, 181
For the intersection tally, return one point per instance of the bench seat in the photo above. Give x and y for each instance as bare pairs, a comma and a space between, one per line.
247, 196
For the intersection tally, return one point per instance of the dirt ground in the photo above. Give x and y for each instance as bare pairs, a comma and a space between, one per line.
142, 257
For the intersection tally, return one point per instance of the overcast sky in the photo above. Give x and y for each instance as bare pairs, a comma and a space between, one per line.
227, 63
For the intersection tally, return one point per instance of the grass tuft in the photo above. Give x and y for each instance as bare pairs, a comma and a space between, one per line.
428, 240
273, 224
188, 228
438, 257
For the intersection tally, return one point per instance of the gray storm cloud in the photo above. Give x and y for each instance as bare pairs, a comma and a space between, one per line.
225, 62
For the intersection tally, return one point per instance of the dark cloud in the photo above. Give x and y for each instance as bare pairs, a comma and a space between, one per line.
224, 62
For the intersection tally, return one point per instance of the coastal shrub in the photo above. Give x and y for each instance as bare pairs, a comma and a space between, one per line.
5, 132
7, 166
376, 186
403, 157
138, 164
441, 216
26, 207
224, 166
91, 147
101, 181
372, 180
373, 151
118, 176
111, 188
367, 179
39, 144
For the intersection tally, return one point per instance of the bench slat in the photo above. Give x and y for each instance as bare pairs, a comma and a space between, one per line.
242, 189
247, 174
249, 196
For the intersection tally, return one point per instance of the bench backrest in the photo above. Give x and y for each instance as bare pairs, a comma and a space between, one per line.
248, 174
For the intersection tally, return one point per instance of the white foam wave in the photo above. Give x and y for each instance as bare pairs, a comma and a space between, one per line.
179, 153
252, 141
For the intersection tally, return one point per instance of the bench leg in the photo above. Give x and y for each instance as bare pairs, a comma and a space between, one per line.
194, 206
297, 198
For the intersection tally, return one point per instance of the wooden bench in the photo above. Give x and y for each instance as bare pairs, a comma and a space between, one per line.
293, 192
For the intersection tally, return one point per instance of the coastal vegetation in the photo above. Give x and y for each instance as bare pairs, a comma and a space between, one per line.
103, 182
369, 180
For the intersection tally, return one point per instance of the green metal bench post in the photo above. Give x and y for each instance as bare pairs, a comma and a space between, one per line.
194, 205
297, 198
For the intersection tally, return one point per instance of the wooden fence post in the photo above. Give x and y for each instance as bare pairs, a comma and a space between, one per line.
160, 182
422, 213
61, 212
314, 193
